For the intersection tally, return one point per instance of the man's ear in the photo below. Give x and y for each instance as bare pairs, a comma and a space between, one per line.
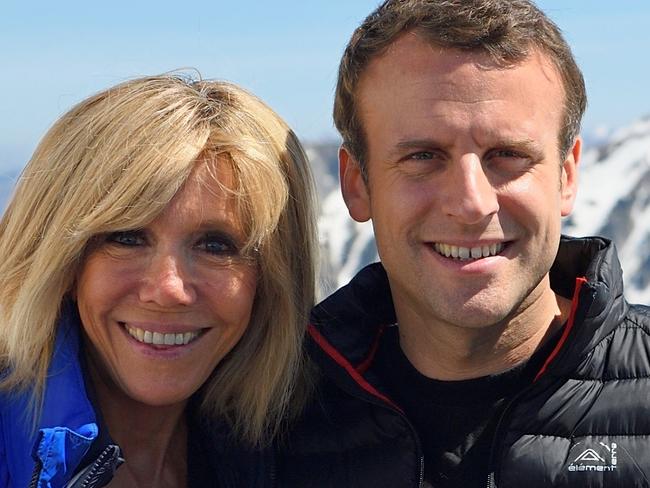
353, 187
569, 180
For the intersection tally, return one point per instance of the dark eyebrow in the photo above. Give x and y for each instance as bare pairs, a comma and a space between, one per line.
410, 144
527, 145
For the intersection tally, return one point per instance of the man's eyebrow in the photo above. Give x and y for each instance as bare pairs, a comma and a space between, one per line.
408, 144
524, 143
527, 145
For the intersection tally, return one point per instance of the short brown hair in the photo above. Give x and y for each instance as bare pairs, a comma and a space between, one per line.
505, 29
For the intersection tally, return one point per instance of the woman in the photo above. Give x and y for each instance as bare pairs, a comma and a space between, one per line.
156, 268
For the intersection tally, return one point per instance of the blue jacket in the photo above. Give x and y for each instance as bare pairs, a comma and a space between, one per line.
70, 447
66, 429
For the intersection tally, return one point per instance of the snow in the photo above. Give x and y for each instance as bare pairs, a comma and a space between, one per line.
609, 178
603, 183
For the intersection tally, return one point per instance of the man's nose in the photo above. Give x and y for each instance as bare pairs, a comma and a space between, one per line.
469, 196
166, 281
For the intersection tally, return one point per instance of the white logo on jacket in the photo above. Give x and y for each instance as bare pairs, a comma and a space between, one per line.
601, 457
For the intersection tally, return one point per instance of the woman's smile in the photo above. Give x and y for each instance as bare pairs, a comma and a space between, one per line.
156, 338
163, 304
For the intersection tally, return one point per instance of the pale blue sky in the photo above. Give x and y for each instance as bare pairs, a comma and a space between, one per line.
56, 53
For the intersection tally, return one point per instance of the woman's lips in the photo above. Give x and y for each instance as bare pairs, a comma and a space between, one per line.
155, 338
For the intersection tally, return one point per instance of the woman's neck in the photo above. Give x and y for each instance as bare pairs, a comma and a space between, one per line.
153, 439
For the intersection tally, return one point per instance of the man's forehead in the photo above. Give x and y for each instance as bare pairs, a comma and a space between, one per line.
424, 56
418, 91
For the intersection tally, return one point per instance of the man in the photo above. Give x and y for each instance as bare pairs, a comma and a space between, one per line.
485, 349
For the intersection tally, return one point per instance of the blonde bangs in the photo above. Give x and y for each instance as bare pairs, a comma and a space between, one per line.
114, 162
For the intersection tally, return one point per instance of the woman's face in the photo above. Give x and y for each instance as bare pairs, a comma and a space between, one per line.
162, 305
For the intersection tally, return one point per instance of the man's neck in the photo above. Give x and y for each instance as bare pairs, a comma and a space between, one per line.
449, 352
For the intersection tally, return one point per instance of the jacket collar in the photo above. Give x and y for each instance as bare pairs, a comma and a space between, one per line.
599, 304
68, 424
349, 321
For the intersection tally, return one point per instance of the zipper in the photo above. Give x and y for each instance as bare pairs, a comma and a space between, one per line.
108, 461
105, 464
421, 482
414, 435
38, 466
33, 482
491, 480
272, 473
369, 398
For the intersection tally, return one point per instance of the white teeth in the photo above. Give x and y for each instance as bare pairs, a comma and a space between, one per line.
160, 339
454, 251
464, 253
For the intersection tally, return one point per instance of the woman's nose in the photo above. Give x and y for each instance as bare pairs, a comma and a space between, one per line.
166, 282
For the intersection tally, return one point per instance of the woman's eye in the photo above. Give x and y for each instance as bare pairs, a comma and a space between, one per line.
127, 238
218, 245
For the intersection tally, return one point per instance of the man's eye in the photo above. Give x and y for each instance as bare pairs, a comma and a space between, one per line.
421, 156
422, 163
507, 153
127, 238
508, 160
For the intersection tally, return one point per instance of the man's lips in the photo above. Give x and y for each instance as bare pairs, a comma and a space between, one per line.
463, 253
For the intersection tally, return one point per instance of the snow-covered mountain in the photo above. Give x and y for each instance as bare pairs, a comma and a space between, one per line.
613, 201
345, 245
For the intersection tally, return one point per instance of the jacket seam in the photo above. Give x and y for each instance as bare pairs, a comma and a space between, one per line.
590, 434
637, 325
603, 380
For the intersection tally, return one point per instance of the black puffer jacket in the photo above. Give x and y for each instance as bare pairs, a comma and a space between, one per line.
583, 422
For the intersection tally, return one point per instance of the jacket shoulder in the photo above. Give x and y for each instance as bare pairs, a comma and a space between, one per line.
639, 315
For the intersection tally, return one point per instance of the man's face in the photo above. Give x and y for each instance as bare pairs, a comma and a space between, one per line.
465, 186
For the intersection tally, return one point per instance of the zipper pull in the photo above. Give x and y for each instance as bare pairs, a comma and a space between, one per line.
100, 472
490, 481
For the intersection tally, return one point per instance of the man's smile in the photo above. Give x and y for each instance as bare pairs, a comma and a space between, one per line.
468, 253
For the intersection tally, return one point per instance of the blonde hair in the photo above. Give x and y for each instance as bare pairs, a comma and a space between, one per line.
114, 162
